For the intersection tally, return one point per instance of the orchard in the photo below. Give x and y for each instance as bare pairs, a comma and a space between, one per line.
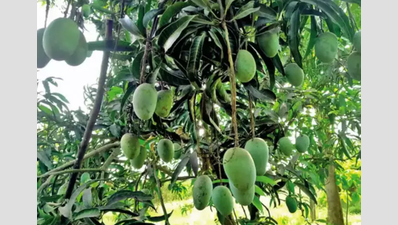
242, 107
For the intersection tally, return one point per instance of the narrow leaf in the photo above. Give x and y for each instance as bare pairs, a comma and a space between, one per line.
128, 24
306, 191
193, 159
336, 14
131, 88
313, 35
87, 198
126, 194
205, 4
228, 4
179, 169
246, 10
135, 68
85, 213
294, 37
150, 15
171, 33
158, 218
263, 95
171, 11
259, 191
195, 55
256, 202
265, 180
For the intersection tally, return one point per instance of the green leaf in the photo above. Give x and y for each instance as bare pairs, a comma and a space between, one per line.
171, 11
87, 198
150, 15
179, 169
195, 56
148, 5
45, 110
205, 4
278, 64
100, 8
265, 180
336, 14
306, 191
228, 4
85, 213
131, 27
140, 25
193, 160
67, 209
158, 218
256, 202
135, 68
84, 178
267, 12
263, 94
60, 96
294, 37
353, 1
44, 158
115, 130
126, 194
246, 10
313, 35
259, 191
171, 33
131, 88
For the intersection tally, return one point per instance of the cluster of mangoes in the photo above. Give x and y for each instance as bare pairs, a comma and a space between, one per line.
61, 40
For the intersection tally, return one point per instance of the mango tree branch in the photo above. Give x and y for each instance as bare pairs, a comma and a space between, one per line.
88, 155
110, 159
45, 184
233, 83
77, 171
94, 113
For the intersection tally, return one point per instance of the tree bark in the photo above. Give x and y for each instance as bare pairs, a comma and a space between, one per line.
313, 211
335, 212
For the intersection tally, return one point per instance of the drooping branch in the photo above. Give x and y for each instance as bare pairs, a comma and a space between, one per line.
251, 116
94, 113
88, 155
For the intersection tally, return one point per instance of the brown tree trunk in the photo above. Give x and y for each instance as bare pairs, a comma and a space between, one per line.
335, 212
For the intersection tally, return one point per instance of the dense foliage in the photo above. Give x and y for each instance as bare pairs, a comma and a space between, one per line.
190, 49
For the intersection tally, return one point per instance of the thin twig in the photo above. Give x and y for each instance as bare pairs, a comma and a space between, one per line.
160, 196
47, 10
144, 58
251, 116
77, 171
244, 211
219, 161
94, 113
67, 8
110, 159
231, 77
179, 178
89, 155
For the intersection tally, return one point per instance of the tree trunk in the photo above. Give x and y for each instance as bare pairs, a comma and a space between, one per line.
335, 212
313, 210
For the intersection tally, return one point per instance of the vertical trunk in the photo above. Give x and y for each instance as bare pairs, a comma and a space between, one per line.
313, 211
335, 212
